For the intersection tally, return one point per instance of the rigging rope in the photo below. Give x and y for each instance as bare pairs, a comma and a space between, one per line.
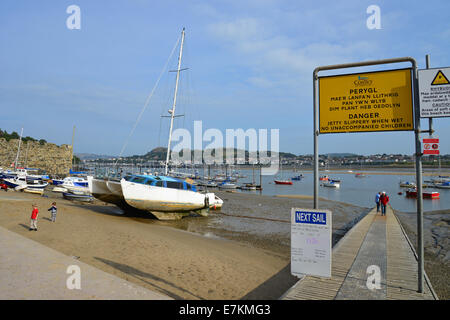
147, 102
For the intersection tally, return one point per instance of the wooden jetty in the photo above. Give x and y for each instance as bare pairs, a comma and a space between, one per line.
375, 240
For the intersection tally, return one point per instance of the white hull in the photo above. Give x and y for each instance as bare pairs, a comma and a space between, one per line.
227, 186
115, 188
331, 185
35, 191
162, 202
442, 186
107, 191
59, 189
20, 183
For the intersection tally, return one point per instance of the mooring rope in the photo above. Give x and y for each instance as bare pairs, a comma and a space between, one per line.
258, 218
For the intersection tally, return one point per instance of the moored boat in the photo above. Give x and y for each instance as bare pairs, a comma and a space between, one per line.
227, 185
287, 182
443, 185
35, 191
78, 197
407, 184
248, 186
331, 184
412, 193
165, 197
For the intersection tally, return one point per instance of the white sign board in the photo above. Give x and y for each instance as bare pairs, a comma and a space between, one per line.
434, 92
311, 242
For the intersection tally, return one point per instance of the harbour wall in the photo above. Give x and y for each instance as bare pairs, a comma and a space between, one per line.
50, 157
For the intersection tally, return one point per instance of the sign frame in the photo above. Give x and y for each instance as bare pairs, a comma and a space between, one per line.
418, 153
372, 72
419, 91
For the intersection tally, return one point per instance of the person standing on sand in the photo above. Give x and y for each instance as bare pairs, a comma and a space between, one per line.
53, 209
34, 216
384, 199
377, 201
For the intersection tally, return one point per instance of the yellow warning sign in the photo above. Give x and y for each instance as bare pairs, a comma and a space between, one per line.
366, 102
439, 79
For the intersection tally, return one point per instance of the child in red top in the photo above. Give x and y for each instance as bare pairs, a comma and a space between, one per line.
34, 216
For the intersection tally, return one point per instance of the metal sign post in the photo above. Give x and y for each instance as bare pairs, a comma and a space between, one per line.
418, 154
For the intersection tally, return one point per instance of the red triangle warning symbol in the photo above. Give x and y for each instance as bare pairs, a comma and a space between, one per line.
440, 79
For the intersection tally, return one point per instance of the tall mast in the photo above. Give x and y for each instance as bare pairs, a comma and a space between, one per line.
18, 150
172, 112
71, 155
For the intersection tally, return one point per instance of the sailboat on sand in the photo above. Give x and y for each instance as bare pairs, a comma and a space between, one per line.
165, 197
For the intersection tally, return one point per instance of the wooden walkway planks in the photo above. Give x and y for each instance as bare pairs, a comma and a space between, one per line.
344, 253
401, 265
401, 269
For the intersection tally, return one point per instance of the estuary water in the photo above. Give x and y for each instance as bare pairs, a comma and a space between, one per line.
357, 191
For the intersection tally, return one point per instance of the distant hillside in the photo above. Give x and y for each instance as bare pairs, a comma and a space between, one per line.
92, 156
339, 155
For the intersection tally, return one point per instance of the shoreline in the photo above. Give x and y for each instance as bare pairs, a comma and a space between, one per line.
436, 246
241, 252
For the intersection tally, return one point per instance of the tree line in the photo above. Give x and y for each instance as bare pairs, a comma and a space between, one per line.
14, 135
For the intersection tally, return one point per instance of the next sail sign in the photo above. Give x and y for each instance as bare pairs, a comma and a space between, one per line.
366, 102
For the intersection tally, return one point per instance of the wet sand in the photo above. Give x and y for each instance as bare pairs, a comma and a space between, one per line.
436, 231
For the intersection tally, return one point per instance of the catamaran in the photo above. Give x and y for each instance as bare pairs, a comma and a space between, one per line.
165, 197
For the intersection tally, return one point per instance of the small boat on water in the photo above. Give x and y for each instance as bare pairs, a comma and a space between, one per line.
227, 185
331, 184
297, 178
287, 182
324, 178
407, 184
443, 185
412, 193
248, 186
360, 175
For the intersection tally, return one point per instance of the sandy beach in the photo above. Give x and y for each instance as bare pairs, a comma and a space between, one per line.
239, 253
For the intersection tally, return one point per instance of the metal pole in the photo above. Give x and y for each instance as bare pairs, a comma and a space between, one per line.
418, 181
316, 142
18, 150
430, 120
172, 112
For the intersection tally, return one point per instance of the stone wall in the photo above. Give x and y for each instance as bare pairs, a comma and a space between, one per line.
49, 157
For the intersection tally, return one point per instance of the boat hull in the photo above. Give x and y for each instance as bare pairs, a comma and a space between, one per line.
425, 195
164, 203
283, 182
78, 197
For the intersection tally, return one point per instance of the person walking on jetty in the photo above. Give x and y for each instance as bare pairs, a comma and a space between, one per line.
53, 209
384, 199
34, 216
377, 200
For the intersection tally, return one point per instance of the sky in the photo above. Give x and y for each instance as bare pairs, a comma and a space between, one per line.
250, 66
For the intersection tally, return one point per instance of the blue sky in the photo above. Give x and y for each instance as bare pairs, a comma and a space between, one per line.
250, 66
